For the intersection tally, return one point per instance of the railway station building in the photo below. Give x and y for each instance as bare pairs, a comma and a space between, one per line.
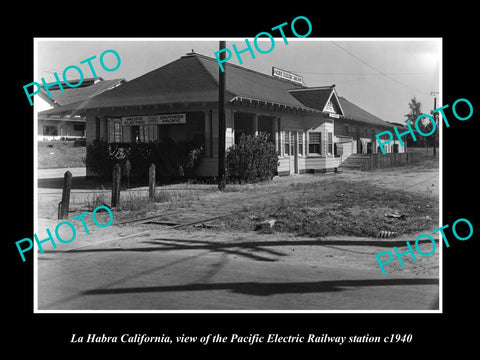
313, 129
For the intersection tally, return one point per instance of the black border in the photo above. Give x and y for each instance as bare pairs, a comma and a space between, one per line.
432, 332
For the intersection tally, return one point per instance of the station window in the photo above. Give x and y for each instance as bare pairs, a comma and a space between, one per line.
330, 143
292, 142
114, 130
50, 130
287, 143
148, 133
314, 142
142, 133
300, 143
117, 132
80, 127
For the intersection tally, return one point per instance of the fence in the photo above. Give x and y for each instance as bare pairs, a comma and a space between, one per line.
63, 205
380, 161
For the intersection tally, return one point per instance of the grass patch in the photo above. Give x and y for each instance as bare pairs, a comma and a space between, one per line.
94, 200
135, 204
129, 200
339, 207
60, 154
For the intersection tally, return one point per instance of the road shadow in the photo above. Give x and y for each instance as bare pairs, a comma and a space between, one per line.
249, 249
269, 288
189, 244
180, 244
78, 183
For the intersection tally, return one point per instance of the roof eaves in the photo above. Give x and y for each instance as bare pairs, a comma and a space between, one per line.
328, 87
364, 121
303, 108
64, 83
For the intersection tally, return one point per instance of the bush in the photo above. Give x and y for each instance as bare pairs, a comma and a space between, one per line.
80, 142
171, 159
101, 156
167, 156
253, 159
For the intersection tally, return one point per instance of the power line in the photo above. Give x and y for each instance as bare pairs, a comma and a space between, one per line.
358, 74
53, 72
377, 70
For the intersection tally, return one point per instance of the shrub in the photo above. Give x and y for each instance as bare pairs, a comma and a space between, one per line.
101, 157
253, 159
167, 156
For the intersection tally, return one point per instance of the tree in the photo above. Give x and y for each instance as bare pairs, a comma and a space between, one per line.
436, 134
426, 127
415, 111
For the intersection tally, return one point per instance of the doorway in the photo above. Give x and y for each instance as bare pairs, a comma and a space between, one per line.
244, 124
293, 151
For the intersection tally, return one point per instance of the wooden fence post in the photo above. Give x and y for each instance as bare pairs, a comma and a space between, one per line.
151, 181
64, 204
128, 168
116, 185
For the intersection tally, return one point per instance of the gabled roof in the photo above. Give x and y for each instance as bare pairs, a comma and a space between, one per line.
318, 98
89, 88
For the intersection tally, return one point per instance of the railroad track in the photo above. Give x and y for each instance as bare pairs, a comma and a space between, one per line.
183, 218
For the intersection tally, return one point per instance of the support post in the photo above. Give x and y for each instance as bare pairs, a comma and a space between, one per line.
255, 124
436, 129
221, 121
128, 168
151, 181
63, 206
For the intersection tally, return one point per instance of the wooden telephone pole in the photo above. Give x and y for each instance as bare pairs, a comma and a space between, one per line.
435, 116
221, 121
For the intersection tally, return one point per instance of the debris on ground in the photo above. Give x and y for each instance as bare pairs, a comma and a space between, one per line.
266, 225
206, 226
386, 234
394, 215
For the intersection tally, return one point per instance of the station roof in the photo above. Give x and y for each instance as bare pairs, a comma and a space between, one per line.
355, 112
89, 87
195, 78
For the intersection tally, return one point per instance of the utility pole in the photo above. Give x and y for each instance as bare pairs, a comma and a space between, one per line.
435, 116
221, 120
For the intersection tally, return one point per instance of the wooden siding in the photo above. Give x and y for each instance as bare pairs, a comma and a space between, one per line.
284, 165
318, 163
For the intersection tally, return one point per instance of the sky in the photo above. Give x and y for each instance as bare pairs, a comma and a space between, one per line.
379, 75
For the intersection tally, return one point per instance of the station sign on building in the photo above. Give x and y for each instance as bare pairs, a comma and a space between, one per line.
287, 75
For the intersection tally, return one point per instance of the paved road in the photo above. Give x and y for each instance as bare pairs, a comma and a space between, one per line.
156, 271
58, 173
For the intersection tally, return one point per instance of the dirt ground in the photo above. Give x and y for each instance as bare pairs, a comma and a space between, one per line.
193, 202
